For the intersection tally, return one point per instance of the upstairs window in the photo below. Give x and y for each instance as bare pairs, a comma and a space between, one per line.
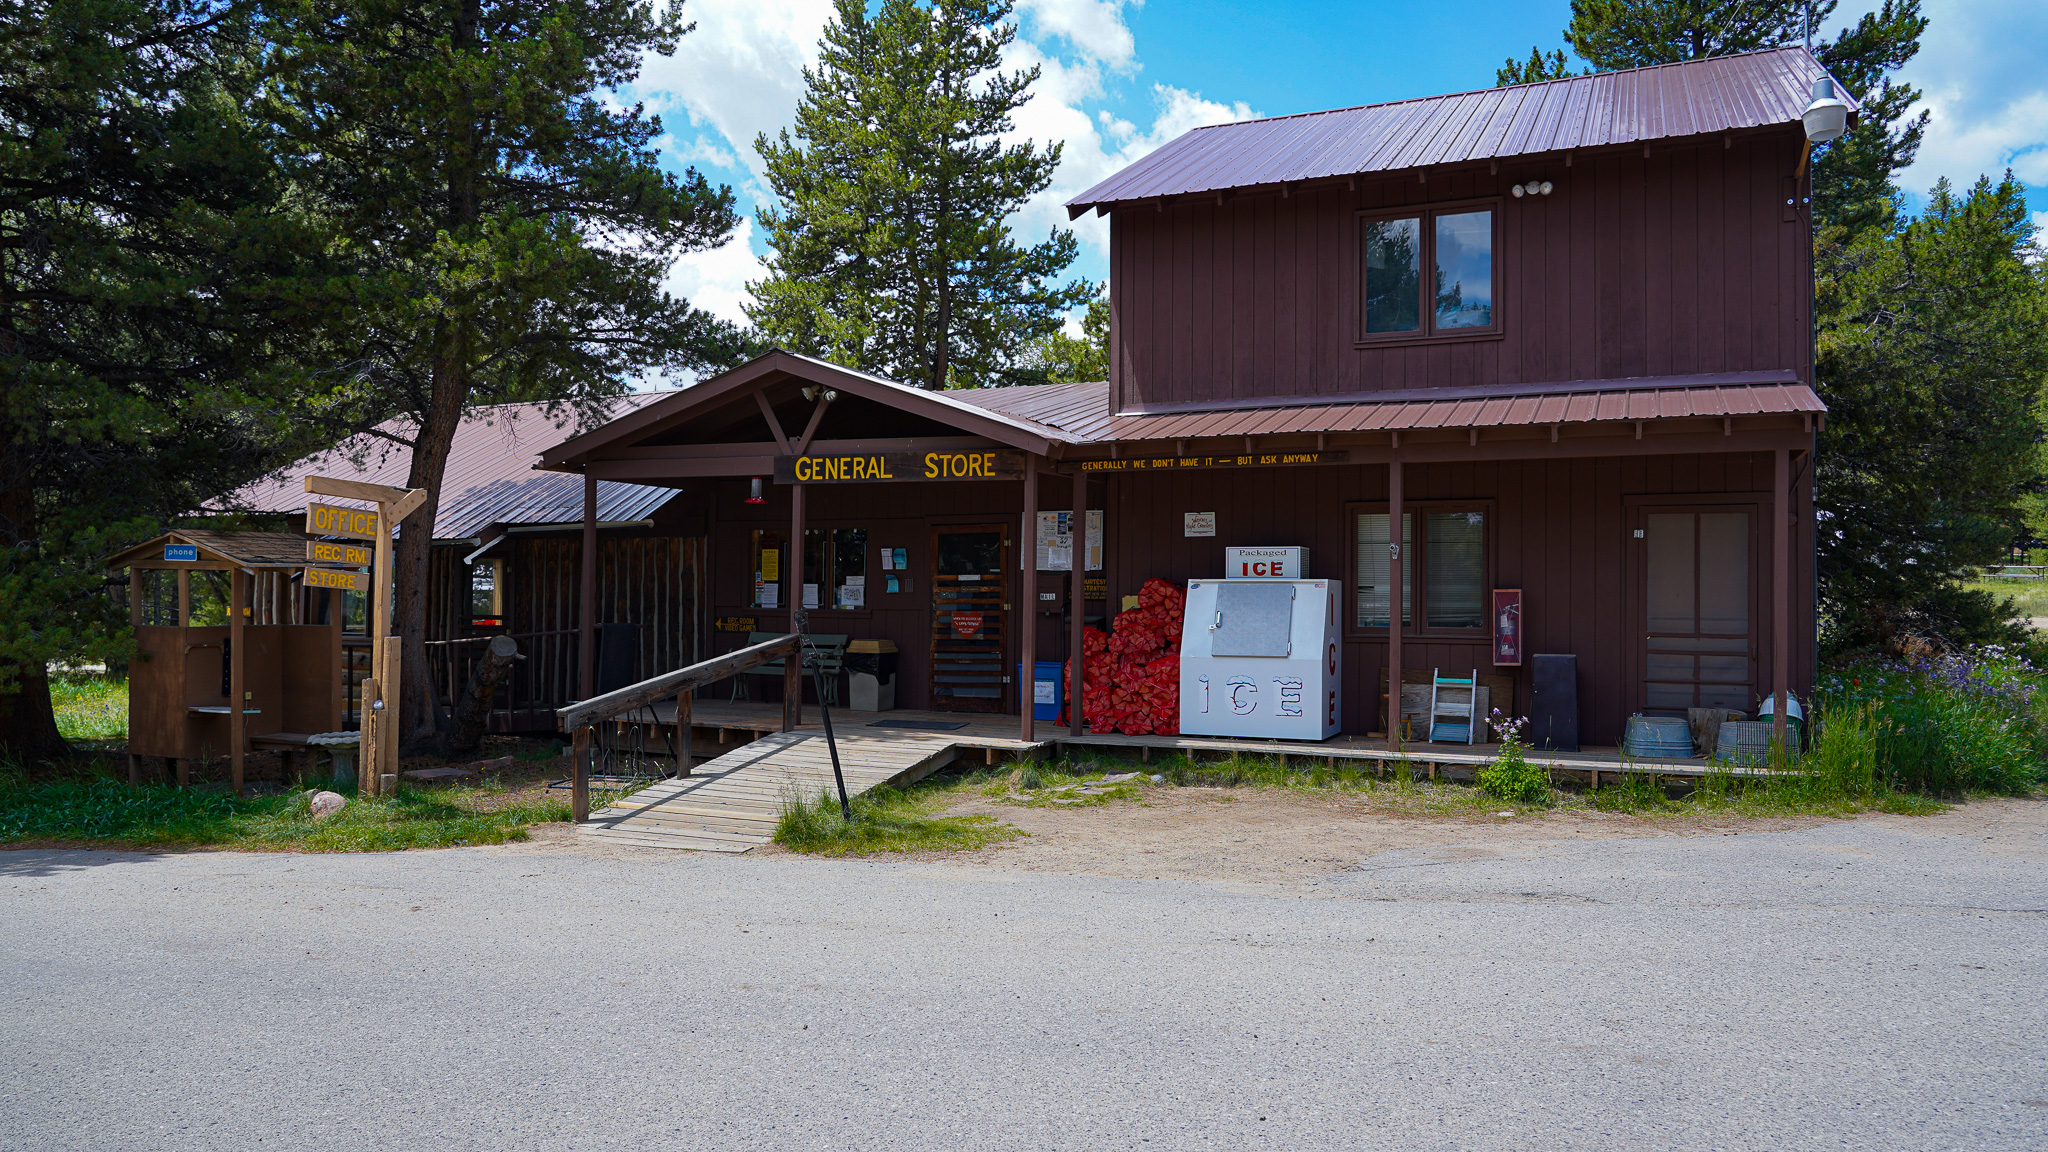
1428, 273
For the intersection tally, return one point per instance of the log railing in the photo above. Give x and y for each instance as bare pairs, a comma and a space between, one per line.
682, 684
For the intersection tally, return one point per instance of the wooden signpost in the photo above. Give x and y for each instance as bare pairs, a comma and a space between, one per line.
377, 766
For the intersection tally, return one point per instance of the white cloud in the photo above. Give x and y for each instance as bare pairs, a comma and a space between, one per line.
1987, 95
716, 281
740, 74
1095, 29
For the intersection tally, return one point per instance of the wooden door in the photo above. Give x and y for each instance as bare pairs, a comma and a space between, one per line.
970, 621
1701, 619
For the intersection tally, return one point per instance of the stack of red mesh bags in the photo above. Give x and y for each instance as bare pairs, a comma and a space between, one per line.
1131, 677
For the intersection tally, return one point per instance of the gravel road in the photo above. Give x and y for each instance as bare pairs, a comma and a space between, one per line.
1862, 984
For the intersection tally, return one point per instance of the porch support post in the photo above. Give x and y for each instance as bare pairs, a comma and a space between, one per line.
1781, 588
586, 626
793, 664
1397, 598
1079, 598
1027, 605
238, 658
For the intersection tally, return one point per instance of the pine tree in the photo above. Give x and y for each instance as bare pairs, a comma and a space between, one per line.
891, 250
151, 266
505, 223
1058, 358
1933, 348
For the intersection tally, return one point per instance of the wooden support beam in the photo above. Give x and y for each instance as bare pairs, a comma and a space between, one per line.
686, 760
1077, 626
1781, 590
1026, 612
1396, 598
579, 775
238, 658
774, 425
793, 569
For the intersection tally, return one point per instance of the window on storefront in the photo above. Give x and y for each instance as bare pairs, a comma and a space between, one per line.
766, 549
835, 568
1451, 555
487, 593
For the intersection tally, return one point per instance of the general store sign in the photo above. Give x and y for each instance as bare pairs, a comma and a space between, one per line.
1248, 460
883, 467
334, 520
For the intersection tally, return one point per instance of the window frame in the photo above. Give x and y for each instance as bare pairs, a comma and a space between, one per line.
1428, 333
1418, 568
827, 551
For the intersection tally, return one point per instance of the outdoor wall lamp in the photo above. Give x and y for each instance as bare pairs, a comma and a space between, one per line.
1827, 118
811, 393
1532, 188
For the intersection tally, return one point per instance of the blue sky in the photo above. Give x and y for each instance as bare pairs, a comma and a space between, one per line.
1121, 78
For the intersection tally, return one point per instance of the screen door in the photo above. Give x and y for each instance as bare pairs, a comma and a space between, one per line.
969, 619
1700, 639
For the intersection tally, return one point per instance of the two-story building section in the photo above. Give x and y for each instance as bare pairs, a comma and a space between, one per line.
1540, 357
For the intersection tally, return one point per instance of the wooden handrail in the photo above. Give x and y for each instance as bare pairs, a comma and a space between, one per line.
584, 713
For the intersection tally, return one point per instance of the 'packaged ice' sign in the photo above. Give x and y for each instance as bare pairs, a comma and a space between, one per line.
1265, 563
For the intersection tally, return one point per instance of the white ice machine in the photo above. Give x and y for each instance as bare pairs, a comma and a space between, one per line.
1260, 658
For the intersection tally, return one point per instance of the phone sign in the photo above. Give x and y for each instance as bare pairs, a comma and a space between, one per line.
187, 553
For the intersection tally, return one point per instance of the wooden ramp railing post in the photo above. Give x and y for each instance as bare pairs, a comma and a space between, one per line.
579, 776
686, 760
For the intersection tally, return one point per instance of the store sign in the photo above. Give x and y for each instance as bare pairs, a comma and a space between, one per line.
336, 578
1508, 631
888, 467
1248, 460
348, 555
737, 624
967, 624
333, 520
1265, 563
183, 553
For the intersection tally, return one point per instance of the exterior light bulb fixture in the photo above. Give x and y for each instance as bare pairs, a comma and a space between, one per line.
1532, 188
1827, 118
754, 492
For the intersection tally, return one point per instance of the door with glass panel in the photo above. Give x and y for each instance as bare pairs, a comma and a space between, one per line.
1700, 634
969, 619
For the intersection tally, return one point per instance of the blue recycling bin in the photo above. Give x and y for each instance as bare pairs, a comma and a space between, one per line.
1048, 690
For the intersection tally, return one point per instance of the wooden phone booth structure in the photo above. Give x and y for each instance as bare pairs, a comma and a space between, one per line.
222, 617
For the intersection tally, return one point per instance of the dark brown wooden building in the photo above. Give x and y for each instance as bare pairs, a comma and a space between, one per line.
1560, 331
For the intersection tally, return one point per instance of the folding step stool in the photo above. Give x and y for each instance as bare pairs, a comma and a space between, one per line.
1453, 708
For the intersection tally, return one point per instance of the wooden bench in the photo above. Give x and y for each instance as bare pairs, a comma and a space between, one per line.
831, 653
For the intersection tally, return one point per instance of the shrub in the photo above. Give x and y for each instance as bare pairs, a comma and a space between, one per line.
1964, 721
1511, 777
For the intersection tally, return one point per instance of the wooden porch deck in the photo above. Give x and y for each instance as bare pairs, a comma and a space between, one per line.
731, 802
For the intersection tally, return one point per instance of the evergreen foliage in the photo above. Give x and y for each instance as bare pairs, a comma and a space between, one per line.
1059, 358
891, 250
505, 225
153, 268
1933, 350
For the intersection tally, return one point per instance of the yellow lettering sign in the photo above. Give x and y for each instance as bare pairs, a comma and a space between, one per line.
333, 578
332, 520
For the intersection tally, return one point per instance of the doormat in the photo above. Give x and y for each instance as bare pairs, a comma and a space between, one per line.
920, 725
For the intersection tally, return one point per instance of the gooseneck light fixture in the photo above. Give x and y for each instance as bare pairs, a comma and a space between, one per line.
1827, 118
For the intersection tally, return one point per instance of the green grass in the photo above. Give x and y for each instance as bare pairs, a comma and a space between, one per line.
2029, 597
107, 813
90, 707
885, 820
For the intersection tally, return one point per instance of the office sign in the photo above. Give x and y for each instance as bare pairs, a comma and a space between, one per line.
336, 578
186, 553
334, 520
887, 467
347, 555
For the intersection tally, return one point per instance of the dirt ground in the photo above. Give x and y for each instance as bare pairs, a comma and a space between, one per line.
1269, 836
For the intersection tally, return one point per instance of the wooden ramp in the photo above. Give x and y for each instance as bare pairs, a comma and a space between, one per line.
731, 803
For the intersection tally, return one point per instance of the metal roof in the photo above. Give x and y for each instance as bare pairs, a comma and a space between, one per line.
1750, 90
248, 549
1082, 410
490, 477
